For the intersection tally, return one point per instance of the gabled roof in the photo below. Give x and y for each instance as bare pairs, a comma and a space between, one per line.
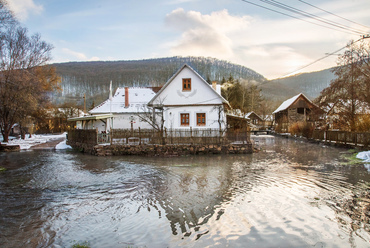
150, 103
286, 104
248, 115
137, 99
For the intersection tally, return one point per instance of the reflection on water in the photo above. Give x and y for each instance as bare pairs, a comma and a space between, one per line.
291, 194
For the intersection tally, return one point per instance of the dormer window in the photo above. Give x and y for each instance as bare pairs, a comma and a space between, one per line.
186, 84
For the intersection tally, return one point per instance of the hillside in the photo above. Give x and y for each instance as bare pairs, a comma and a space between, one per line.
92, 78
311, 84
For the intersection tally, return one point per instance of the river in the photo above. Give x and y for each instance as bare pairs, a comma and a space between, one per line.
290, 194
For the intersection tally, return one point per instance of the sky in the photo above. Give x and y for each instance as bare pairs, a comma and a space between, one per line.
272, 44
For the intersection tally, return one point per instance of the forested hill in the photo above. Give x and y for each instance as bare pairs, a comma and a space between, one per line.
92, 78
311, 84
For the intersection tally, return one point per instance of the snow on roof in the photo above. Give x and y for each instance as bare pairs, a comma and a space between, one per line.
286, 104
137, 100
248, 115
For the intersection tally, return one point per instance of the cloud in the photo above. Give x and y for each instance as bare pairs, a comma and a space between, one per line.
22, 8
272, 47
204, 35
73, 55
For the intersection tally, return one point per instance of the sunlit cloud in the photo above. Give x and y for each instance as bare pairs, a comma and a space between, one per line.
23, 8
271, 47
73, 55
204, 35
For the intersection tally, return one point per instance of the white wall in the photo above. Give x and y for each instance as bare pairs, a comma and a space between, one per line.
201, 92
123, 121
120, 121
202, 98
172, 117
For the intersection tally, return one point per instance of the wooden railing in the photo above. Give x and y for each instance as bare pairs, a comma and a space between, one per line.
178, 136
343, 137
89, 136
150, 136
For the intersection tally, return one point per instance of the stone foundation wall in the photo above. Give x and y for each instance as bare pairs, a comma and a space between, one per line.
9, 148
160, 150
171, 150
82, 147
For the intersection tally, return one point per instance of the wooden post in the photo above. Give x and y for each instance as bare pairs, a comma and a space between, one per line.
345, 138
165, 136
97, 136
139, 136
191, 135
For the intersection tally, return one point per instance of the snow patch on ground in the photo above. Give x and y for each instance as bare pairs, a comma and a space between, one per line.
35, 139
366, 157
62, 146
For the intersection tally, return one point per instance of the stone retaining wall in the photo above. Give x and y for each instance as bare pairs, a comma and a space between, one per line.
82, 147
171, 150
161, 150
9, 148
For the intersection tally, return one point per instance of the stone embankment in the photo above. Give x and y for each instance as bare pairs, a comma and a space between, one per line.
165, 150
9, 148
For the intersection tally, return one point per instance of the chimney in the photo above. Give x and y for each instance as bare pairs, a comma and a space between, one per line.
214, 85
127, 104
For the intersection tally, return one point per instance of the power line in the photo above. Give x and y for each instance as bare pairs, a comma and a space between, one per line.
334, 14
312, 16
327, 55
342, 29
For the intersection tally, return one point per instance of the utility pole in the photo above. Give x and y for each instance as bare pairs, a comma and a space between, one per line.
84, 103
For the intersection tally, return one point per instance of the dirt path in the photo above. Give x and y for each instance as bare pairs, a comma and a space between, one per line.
48, 145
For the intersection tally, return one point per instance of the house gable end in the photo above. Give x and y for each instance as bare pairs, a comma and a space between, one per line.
187, 87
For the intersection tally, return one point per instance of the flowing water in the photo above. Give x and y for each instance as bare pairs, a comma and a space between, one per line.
291, 194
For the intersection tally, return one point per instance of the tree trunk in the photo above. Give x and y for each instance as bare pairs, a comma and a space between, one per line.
6, 134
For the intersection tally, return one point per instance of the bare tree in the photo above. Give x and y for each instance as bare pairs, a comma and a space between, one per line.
348, 94
25, 79
221, 119
154, 116
6, 16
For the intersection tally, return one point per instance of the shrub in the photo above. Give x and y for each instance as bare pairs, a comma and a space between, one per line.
301, 128
363, 123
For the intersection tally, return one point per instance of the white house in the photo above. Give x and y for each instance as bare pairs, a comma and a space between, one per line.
121, 110
188, 101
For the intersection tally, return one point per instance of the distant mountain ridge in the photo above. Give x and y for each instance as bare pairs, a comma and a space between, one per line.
310, 84
92, 78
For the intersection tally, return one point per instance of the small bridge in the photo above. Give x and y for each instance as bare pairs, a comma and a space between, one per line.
257, 132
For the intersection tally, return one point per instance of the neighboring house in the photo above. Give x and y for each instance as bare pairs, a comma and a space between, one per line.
296, 109
268, 121
120, 111
255, 121
188, 101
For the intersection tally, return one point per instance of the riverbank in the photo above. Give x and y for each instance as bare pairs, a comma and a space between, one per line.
39, 141
327, 142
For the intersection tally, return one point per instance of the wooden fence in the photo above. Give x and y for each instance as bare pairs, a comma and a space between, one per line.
342, 137
169, 137
178, 136
89, 136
